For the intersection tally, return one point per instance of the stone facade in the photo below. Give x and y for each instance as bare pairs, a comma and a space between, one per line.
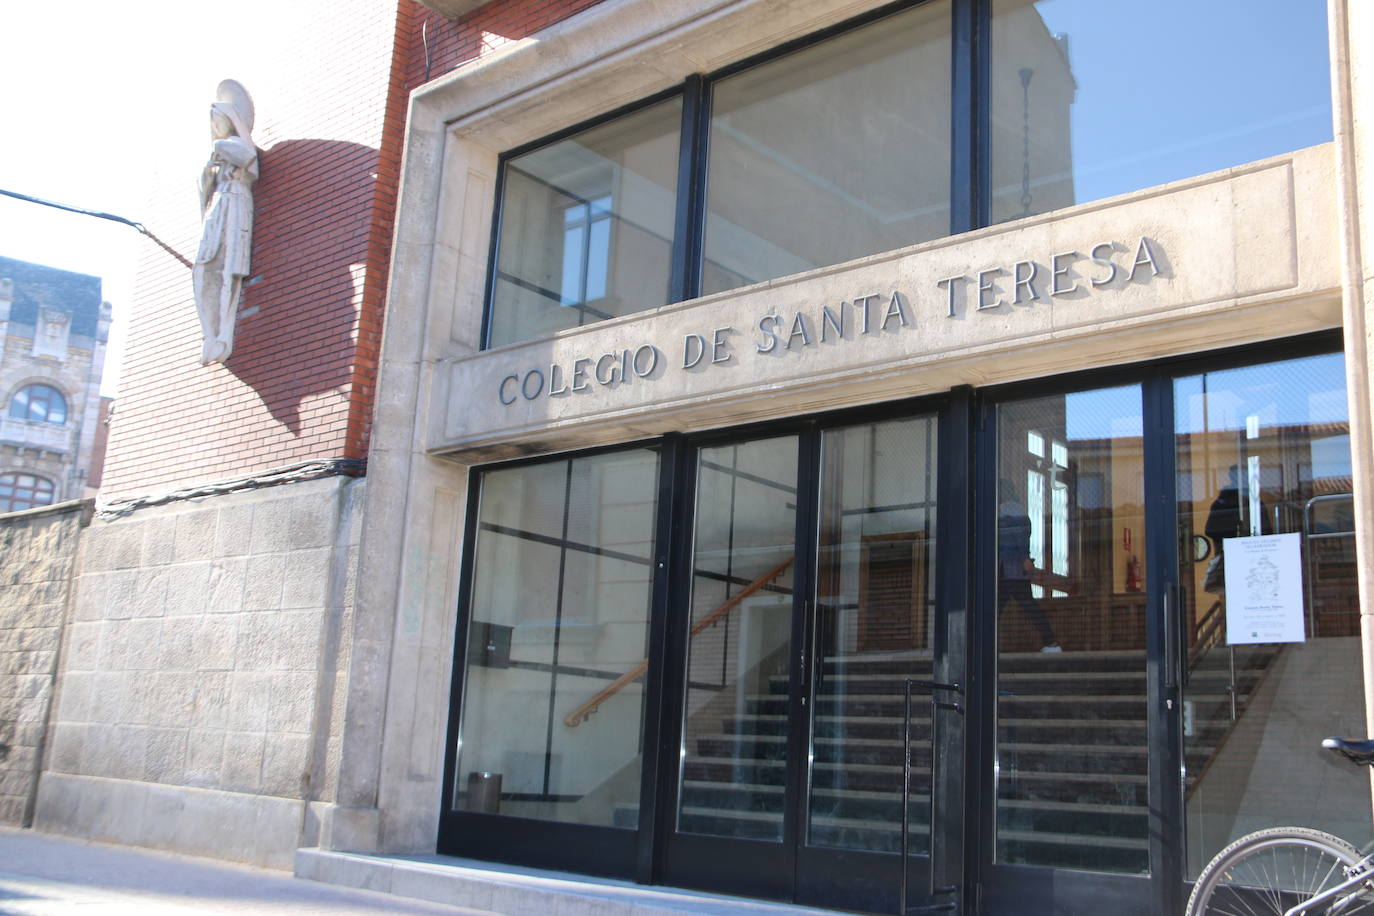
201, 674
438, 387
38, 552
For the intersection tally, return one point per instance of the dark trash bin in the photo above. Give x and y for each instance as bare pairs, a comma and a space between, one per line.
484, 792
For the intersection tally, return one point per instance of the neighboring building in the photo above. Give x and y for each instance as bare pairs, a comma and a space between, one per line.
53, 329
743, 362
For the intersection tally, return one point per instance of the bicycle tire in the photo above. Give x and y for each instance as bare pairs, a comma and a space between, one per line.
1267, 872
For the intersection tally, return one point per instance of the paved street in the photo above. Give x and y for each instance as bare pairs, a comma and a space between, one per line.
42, 875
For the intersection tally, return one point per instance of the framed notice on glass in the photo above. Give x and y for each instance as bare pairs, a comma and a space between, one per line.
1264, 589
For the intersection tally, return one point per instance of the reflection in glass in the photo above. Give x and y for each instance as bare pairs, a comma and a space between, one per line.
1071, 748
1090, 100
875, 606
831, 153
559, 615
736, 699
587, 226
1263, 451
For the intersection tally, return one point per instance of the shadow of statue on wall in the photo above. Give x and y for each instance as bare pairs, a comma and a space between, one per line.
298, 323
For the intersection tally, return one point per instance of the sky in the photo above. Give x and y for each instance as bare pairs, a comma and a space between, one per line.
98, 101
1176, 88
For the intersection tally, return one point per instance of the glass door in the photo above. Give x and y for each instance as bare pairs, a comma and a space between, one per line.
1066, 642
873, 630
1270, 606
690, 662
1170, 626
731, 809
812, 602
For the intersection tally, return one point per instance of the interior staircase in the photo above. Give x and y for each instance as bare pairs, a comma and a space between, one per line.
1072, 779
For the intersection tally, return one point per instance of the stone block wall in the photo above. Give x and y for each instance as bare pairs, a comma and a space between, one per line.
38, 548
201, 688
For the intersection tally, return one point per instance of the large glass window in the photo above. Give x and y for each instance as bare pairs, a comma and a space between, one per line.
553, 703
587, 226
845, 147
1270, 601
1094, 99
831, 153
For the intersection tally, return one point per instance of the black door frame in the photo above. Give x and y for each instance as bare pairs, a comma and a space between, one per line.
824, 876
963, 833
1004, 888
723, 864
994, 888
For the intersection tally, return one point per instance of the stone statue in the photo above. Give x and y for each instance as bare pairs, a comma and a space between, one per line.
226, 206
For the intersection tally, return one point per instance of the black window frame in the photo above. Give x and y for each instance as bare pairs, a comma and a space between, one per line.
970, 29
602, 850
50, 395
971, 165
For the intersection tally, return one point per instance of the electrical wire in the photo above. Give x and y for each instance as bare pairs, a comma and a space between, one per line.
100, 215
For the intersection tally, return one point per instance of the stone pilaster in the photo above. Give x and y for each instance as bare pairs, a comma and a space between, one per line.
1352, 83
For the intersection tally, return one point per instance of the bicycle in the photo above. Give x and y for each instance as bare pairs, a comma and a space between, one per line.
1290, 871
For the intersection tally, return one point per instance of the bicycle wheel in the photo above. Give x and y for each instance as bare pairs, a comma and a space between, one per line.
1271, 871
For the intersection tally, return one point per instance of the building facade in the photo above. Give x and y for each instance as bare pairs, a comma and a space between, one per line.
54, 328
775, 360
771, 397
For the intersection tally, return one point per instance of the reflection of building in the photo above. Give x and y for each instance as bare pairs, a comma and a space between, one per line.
1033, 117
711, 339
53, 327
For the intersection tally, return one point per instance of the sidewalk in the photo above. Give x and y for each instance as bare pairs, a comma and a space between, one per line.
42, 875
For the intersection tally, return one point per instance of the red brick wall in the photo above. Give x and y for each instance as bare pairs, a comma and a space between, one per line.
451, 42
300, 382
102, 441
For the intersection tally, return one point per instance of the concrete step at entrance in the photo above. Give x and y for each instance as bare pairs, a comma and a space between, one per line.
512, 891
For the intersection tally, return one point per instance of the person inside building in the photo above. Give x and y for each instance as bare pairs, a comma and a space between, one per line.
1015, 568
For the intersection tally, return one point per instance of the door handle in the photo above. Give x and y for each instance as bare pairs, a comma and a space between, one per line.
1175, 649
935, 706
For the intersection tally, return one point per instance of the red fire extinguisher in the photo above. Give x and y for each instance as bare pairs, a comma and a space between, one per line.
1133, 576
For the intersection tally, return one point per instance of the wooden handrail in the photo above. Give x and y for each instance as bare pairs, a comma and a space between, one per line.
1206, 634
584, 712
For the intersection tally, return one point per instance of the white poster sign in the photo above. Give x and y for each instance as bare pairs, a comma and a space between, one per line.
1264, 589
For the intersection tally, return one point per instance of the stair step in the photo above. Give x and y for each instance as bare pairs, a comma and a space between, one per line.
490, 888
1072, 737
1059, 824
848, 728
881, 778
1073, 839
1059, 705
1130, 789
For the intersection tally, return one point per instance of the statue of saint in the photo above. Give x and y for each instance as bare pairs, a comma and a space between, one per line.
226, 206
